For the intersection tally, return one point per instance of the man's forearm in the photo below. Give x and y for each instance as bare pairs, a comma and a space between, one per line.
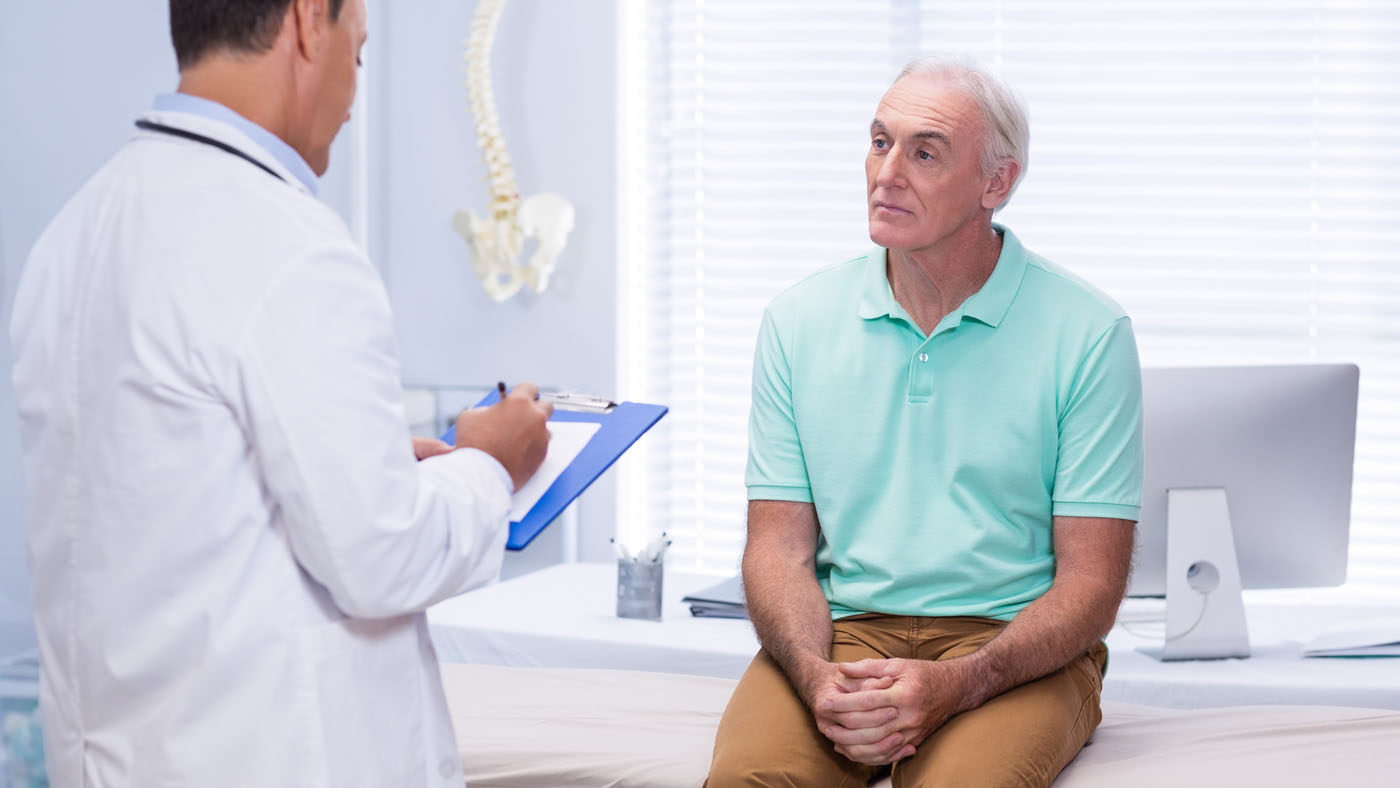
1092, 558
1044, 637
789, 613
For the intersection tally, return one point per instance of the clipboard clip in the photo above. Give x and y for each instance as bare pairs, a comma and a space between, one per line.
587, 403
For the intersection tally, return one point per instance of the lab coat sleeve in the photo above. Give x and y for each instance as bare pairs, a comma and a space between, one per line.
319, 382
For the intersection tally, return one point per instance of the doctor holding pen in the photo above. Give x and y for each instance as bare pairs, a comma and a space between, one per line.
231, 539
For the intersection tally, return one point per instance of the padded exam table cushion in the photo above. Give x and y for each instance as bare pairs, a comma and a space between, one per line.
557, 728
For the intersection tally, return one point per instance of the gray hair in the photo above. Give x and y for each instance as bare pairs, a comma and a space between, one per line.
1009, 133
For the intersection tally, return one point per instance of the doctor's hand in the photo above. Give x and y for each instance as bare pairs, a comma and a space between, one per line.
423, 448
513, 431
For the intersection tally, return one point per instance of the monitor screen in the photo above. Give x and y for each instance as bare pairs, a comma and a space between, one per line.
1279, 440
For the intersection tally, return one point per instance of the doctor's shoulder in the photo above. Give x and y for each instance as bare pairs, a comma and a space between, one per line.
258, 223
226, 193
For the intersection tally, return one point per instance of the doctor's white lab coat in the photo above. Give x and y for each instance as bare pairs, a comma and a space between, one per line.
230, 540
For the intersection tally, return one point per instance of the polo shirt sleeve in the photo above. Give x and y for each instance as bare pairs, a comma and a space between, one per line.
776, 470
1098, 472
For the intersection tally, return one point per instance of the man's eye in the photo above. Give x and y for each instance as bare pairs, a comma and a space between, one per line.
879, 144
925, 155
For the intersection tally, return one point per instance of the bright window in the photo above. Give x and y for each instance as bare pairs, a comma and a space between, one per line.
1229, 171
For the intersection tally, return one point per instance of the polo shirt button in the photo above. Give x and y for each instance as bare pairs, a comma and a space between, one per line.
447, 767
923, 357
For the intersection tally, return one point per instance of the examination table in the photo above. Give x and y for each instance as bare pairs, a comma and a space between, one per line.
558, 727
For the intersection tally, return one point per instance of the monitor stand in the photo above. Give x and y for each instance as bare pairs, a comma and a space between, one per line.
1205, 606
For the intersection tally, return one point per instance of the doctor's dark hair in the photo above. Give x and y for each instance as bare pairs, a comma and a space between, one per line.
198, 27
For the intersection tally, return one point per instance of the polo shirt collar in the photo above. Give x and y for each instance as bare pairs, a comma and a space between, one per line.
988, 305
876, 297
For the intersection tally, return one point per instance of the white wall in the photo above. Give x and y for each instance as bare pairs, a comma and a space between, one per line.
554, 81
73, 76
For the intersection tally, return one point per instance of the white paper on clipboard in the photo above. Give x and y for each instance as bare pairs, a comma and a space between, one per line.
566, 440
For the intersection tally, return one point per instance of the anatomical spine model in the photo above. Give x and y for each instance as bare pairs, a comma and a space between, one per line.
497, 239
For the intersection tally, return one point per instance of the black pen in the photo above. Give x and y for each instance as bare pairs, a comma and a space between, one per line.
501, 388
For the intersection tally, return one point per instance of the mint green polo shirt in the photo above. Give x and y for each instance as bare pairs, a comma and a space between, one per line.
936, 462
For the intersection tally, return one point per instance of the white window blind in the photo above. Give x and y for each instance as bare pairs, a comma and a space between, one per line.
1229, 171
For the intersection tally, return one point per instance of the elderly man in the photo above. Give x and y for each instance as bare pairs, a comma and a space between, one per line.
944, 473
232, 543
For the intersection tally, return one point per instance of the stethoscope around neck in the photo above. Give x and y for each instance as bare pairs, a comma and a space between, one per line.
161, 128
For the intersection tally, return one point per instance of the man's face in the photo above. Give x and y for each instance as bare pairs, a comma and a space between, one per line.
923, 171
336, 86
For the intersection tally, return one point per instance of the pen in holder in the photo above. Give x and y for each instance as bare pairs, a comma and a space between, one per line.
639, 581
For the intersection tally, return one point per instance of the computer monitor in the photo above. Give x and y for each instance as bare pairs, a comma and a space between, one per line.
1280, 440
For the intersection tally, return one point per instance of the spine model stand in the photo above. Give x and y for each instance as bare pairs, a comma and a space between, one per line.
498, 239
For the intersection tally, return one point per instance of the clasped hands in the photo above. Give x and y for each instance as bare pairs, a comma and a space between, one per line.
877, 711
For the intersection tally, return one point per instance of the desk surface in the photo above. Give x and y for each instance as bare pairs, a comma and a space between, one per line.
564, 617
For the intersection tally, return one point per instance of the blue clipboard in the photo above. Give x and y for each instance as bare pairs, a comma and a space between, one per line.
621, 427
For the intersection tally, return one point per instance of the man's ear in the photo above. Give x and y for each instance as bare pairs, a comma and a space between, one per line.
999, 186
311, 20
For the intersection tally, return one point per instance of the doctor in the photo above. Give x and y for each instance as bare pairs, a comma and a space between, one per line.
231, 541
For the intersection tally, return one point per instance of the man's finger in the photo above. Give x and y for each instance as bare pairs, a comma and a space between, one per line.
861, 701
848, 684
528, 391
878, 754
851, 737
854, 720
866, 668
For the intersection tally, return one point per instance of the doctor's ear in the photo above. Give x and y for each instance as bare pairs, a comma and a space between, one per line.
309, 21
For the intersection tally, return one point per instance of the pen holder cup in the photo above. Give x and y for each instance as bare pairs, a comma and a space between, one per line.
639, 589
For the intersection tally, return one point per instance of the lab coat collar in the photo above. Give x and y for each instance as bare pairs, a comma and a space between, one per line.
214, 120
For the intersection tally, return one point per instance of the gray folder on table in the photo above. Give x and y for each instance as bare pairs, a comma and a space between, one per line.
724, 599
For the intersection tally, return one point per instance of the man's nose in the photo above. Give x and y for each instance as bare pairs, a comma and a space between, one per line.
891, 169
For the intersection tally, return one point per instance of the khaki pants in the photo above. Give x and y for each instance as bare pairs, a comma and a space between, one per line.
1023, 737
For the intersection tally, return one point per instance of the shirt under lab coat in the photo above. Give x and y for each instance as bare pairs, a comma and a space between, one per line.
230, 540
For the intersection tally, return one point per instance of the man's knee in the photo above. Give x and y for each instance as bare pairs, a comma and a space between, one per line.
766, 737
769, 773
750, 756
1020, 739
1022, 770
732, 773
